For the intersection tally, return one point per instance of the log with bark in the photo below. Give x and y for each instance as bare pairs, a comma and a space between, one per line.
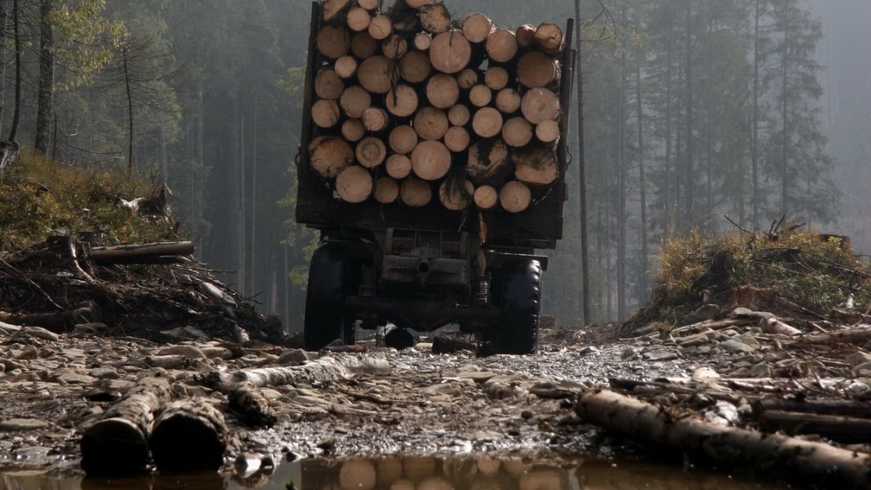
140, 254
189, 435
118, 443
819, 462
251, 407
848, 430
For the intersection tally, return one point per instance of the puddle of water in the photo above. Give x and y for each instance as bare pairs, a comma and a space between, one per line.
413, 474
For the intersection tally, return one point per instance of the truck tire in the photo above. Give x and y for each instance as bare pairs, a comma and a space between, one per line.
517, 293
330, 280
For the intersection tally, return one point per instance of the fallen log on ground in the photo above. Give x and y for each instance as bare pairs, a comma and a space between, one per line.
857, 335
140, 254
251, 407
802, 459
118, 443
848, 430
189, 435
820, 407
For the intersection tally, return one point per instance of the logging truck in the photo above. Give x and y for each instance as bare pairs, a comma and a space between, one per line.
432, 162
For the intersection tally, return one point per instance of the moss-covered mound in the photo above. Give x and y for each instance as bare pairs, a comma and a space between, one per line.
796, 274
40, 198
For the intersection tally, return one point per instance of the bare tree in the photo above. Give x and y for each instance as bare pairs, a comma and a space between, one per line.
45, 109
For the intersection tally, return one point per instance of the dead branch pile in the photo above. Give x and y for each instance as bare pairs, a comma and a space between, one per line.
414, 107
154, 291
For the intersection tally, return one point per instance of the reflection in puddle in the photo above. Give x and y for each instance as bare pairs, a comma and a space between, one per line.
415, 473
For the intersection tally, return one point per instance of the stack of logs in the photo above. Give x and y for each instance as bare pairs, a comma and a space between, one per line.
411, 105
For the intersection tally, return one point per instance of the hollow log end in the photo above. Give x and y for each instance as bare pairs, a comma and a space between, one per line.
114, 447
186, 441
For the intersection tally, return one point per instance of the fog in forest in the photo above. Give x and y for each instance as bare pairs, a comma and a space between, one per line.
695, 111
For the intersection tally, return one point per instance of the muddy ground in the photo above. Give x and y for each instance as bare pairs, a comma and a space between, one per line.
54, 385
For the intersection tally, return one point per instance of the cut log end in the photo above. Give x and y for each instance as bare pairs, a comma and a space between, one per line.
456, 195
415, 67
517, 132
114, 447
442, 91
398, 166
380, 28
431, 160
502, 46
476, 27
450, 52
386, 190
422, 41
515, 197
486, 197
431, 123
508, 101
346, 67
537, 70
375, 119
354, 185
457, 139
459, 115
329, 156
354, 101
536, 166
358, 19
395, 47
416, 193
403, 139
549, 37
487, 122
402, 101
435, 18
467, 79
332, 8
353, 130
377, 74
189, 436
363, 46
526, 35
487, 160
496, 78
539, 105
333, 42
326, 113
329, 84
480, 96
548, 131
371, 152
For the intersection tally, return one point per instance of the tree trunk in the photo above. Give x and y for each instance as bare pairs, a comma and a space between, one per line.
45, 108
4, 22
689, 187
784, 109
818, 462
754, 136
242, 231
129, 95
621, 184
16, 23
642, 180
582, 176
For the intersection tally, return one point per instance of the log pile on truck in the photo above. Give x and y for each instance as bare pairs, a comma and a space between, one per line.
414, 107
